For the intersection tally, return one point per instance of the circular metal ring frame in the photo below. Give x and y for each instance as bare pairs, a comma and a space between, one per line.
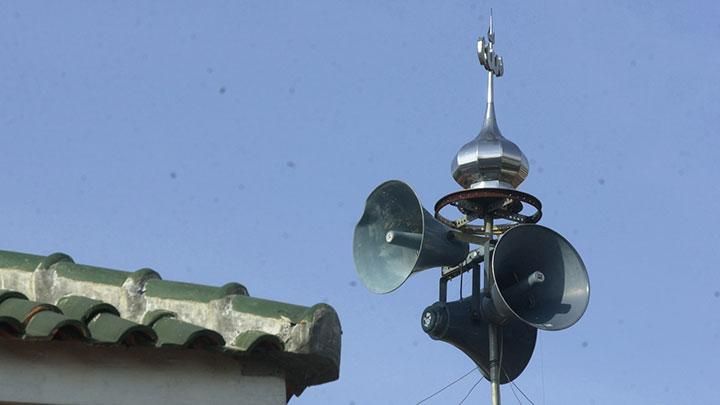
495, 202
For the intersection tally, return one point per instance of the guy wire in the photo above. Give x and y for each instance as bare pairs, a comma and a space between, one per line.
471, 390
447, 386
515, 393
518, 388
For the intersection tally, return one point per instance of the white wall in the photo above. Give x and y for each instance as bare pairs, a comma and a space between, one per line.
77, 373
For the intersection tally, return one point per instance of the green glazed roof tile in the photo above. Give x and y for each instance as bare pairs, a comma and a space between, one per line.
110, 328
190, 292
83, 308
233, 288
144, 274
24, 310
52, 325
104, 322
5, 294
255, 340
19, 261
152, 316
173, 332
269, 309
53, 259
80, 272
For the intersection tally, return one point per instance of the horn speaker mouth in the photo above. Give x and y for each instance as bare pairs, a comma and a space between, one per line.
396, 237
539, 278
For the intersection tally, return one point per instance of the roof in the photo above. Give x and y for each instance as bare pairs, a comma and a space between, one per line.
53, 298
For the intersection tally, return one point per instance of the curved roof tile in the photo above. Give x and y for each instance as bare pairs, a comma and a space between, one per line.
255, 340
100, 305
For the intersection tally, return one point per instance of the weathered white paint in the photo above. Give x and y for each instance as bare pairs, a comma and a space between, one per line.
78, 373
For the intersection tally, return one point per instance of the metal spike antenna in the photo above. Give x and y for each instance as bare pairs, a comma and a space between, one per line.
494, 65
491, 31
483, 56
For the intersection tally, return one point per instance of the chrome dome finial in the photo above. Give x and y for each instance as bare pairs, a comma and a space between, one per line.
490, 160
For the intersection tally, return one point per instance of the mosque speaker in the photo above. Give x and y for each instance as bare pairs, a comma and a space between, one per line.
397, 237
540, 279
454, 323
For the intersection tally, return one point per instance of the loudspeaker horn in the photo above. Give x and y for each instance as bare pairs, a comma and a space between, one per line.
397, 237
453, 322
540, 278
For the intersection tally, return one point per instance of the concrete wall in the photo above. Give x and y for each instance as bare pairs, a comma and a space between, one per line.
78, 373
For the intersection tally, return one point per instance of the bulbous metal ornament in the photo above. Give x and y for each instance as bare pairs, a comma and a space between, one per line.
490, 160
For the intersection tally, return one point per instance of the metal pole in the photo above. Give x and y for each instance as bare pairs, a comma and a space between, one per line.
493, 330
494, 366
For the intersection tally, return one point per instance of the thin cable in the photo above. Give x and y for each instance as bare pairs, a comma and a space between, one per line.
518, 388
514, 393
471, 390
447, 386
523, 394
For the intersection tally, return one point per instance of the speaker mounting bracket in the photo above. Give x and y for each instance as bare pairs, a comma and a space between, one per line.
474, 258
497, 203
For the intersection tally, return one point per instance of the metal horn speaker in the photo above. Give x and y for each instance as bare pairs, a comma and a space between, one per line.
454, 323
539, 278
396, 237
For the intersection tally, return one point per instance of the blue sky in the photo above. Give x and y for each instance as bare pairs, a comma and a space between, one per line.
237, 141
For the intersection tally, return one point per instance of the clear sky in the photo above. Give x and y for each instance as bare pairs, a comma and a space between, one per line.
237, 141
